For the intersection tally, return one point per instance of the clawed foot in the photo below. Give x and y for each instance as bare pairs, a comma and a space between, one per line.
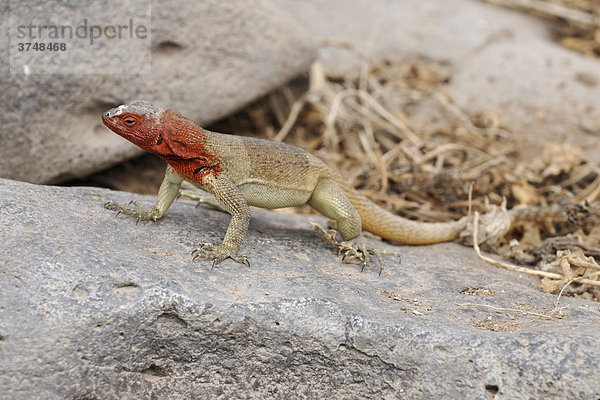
142, 213
355, 251
218, 254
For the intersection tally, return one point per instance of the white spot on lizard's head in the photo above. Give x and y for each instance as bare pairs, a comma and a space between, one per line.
119, 110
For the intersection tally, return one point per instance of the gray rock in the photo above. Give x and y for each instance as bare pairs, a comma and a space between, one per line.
209, 58
502, 61
100, 307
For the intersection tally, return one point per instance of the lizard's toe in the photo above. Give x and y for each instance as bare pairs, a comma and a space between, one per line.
112, 205
133, 208
356, 251
218, 254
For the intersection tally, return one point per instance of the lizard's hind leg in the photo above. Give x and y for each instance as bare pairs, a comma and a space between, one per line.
329, 199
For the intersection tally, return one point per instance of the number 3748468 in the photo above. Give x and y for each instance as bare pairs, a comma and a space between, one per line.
41, 46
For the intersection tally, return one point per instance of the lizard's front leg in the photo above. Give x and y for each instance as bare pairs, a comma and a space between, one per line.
231, 200
166, 195
201, 196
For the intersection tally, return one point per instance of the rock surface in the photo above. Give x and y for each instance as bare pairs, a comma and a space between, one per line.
502, 61
98, 307
209, 58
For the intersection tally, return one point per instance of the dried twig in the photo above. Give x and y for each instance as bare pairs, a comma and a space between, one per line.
513, 267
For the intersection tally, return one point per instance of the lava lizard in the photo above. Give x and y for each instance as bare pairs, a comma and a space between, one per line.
243, 171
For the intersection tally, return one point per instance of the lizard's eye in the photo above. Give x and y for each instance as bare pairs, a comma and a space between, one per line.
159, 140
129, 121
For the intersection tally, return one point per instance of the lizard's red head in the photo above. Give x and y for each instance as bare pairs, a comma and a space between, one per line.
138, 122
165, 133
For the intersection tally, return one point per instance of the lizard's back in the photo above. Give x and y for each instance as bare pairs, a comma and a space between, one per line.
269, 174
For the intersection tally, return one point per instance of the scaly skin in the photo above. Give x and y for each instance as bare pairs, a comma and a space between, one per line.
242, 172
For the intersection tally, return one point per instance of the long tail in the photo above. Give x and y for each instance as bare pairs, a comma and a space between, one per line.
392, 227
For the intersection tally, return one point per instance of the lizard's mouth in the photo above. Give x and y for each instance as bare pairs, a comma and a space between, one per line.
107, 119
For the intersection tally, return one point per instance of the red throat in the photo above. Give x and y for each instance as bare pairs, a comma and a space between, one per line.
189, 156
